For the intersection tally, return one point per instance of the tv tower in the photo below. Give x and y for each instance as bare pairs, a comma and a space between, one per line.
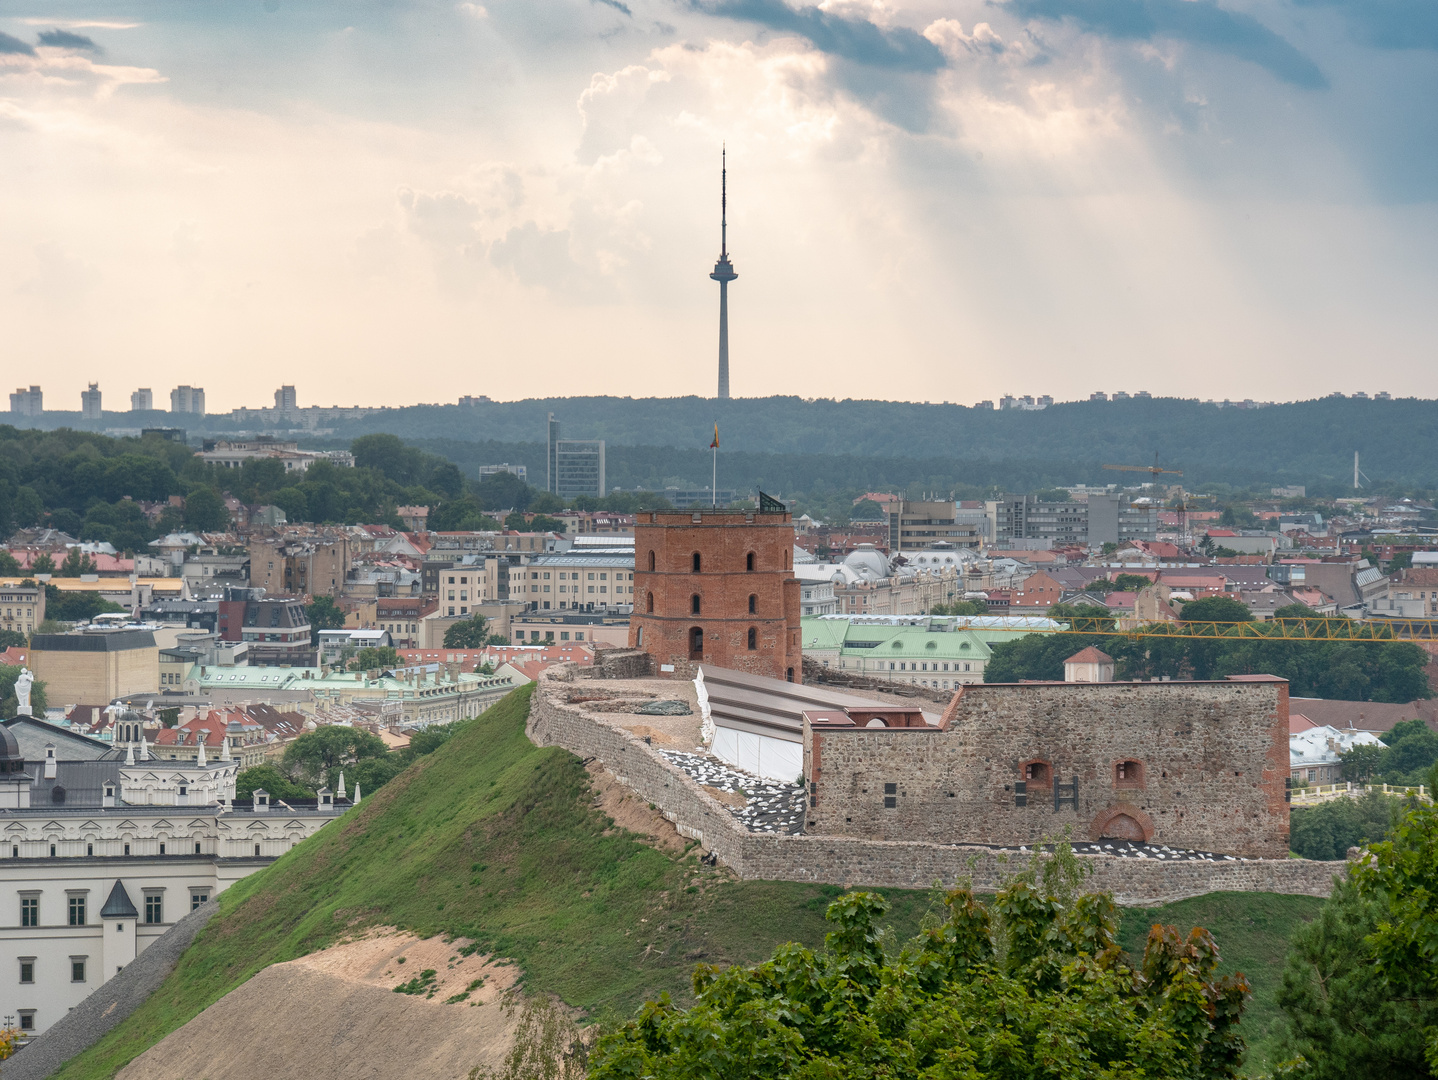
723, 273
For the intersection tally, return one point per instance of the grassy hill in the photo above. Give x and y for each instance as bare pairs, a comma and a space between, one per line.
496, 839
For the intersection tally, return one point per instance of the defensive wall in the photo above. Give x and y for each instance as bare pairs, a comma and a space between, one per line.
846, 861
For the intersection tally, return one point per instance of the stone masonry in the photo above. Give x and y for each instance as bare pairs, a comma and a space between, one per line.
1187, 764
854, 861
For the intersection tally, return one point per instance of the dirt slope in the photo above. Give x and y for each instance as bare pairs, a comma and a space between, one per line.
334, 1015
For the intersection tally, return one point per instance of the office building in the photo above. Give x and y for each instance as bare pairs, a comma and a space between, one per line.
188, 399
29, 402
574, 466
515, 470
90, 402
917, 525
1103, 518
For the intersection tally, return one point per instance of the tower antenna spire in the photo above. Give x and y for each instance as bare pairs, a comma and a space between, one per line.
723, 272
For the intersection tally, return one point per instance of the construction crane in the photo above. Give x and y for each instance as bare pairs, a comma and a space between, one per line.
1154, 471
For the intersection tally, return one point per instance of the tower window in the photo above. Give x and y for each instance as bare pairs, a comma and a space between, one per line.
694, 605
696, 562
753, 638
649, 603
749, 562
753, 604
651, 562
696, 643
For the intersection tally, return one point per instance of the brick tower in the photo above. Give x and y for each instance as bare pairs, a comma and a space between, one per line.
717, 587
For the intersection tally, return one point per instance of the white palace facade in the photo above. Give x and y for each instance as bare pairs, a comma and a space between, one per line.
103, 849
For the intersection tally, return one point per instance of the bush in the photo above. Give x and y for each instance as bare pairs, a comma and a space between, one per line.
1328, 830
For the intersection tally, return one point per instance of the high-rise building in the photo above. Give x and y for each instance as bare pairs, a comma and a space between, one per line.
142, 400
914, 526
1101, 519
551, 473
578, 467
286, 400
29, 402
723, 273
90, 402
188, 399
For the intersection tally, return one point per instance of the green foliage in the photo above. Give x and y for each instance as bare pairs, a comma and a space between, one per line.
1361, 763
205, 511
8, 564
1376, 670
961, 607
1401, 879
1329, 829
323, 614
1131, 582
269, 778
1412, 751
43, 565
316, 757
1051, 495
1059, 1001
866, 510
9, 702
472, 633
1216, 609
76, 564
12, 639
375, 656
1341, 1013
74, 607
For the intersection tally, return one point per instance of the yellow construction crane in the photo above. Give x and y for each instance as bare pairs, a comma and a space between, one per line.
1152, 469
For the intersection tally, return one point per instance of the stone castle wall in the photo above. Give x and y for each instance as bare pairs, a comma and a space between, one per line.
847, 861
1203, 766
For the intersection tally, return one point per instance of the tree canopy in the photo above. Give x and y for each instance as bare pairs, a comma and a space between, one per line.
316, 757
471, 633
1032, 985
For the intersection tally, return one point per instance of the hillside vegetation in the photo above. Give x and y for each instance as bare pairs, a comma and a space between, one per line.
495, 839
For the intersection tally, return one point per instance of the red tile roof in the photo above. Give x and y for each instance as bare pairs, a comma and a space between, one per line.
1090, 655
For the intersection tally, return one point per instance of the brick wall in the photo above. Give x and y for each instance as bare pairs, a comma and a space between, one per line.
727, 546
847, 861
1205, 763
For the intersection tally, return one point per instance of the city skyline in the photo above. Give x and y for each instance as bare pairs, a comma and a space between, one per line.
957, 192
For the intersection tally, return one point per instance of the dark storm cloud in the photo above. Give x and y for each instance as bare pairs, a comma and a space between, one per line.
14, 45
63, 39
898, 48
1389, 24
1197, 22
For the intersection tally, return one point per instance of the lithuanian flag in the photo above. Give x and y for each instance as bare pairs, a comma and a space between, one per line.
715, 444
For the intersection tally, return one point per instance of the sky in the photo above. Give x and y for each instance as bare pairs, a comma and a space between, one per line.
399, 202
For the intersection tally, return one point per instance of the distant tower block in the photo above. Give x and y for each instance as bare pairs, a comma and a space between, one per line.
723, 273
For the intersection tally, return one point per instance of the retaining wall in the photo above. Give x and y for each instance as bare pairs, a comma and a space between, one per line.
882, 863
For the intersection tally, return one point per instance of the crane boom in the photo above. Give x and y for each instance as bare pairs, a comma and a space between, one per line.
1154, 469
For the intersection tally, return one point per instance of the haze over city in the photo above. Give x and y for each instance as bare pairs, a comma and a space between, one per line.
398, 203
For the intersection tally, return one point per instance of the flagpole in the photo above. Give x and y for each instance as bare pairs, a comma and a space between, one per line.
714, 481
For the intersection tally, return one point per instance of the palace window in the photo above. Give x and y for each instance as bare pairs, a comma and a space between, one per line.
29, 911
77, 910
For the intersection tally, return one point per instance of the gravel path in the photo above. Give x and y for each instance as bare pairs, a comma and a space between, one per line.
771, 807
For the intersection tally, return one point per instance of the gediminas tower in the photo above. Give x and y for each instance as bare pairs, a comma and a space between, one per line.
717, 587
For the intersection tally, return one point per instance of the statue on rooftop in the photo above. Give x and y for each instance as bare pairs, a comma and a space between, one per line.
22, 692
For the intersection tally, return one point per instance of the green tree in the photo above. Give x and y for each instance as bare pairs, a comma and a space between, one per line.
1051, 495
8, 563
73, 607
205, 511
77, 563
9, 702
12, 639
961, 607
1131, 582
270, 779
373, 773
866, 510
1340, 1012
324, 614
315, 758
1328, 830
471, 633
375, 656
1362, 763
1412, 751
1030, 986
1401, 879
43, 565
1216, 609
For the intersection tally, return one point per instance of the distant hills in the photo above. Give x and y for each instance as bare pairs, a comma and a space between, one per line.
795, 444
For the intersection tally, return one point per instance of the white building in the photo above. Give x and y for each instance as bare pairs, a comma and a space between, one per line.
581, 579
103, 849
188, 399
233, 455
90, 402
142, 400
1314, 754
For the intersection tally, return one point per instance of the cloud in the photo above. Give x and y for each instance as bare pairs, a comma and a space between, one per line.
1390, 24
82, 24
860, 40
1195, 22
616, 5
13, 46
64, 39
